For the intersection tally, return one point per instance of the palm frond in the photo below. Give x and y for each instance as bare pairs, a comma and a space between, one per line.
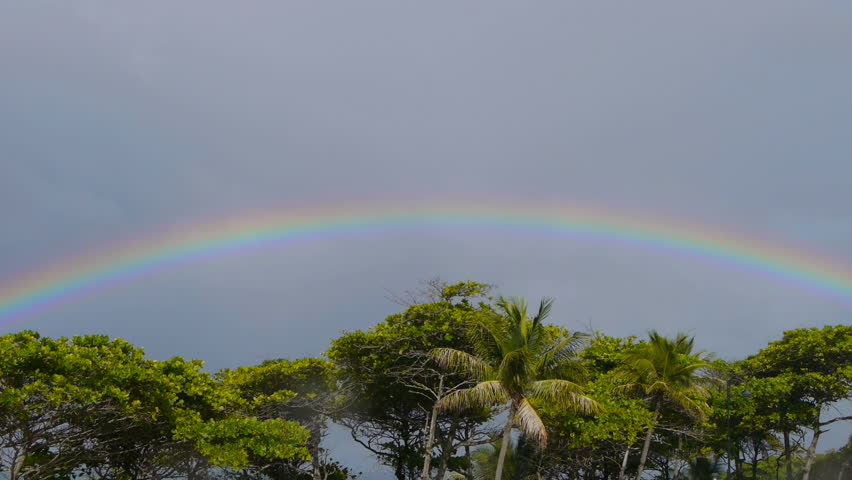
658, 387
543, 310
485, 461
482, 394
488, 334
695, 408
564, 394
515, 308
667, 369
515, 369
457, 360
631, 389
530, 423
515, 312
562, 352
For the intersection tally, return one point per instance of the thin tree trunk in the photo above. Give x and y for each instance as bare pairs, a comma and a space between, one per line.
18, 463
13, 469
754, 459
679, 461
754, 470
778, 468
447, 451
507, 437
647, 444
788, 459
399, 462
624, 464
469, 466
316, 464
806, 473
430, 440
739, 464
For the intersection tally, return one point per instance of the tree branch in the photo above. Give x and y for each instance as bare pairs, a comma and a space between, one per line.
838, 419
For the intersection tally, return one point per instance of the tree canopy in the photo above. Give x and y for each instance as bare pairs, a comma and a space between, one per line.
458, 384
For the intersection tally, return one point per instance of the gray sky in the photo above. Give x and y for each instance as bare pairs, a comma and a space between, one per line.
119, 119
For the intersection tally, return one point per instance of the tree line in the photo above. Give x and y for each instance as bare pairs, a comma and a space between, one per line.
459, 384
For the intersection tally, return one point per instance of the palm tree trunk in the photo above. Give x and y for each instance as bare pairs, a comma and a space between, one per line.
806, 473
647, 444
507, 437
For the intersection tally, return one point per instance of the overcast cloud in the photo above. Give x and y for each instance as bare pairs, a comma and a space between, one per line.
119, 119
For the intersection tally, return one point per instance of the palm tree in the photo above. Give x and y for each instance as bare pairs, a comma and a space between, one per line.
517, 360
665, 371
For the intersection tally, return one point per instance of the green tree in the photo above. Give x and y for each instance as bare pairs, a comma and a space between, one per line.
665, 372
303, 390
834, 464
181, 421
596, 443
46, 384
517, 360
385, 413
814, 366
97, 407
747, 412
584, 444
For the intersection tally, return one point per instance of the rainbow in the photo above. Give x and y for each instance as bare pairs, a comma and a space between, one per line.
25, 294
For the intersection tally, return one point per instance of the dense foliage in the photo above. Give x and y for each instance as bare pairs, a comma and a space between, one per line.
457, 385
95, 407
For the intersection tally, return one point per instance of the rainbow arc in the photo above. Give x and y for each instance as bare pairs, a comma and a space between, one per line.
43, 288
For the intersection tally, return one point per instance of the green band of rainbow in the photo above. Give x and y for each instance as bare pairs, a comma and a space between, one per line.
41, 289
